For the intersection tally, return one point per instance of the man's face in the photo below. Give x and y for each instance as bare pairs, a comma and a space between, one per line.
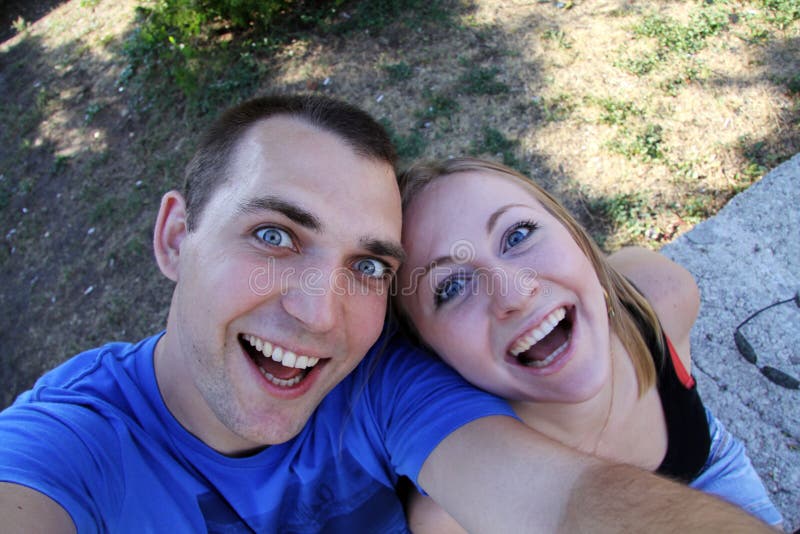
281, 287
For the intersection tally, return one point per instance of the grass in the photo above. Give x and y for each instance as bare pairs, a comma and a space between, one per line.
556, 108
437, 106
616, 112
409, 146
398, 72
493, 143
677, 42
557, 36
647, 144
482, 81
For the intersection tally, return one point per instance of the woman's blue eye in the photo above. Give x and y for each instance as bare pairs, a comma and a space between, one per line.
452, 287
372, 268
519, 233
516, 237
275, 237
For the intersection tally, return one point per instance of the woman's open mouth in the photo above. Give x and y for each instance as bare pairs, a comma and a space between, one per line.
543, 344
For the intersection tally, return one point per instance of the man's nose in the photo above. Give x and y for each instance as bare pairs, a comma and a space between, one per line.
315, 304
513, 292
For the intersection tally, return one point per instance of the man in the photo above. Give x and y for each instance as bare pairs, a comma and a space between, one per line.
254, 412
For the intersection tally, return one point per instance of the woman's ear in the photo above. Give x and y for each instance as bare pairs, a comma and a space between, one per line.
169, 232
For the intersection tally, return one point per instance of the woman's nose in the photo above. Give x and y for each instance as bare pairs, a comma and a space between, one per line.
513, 291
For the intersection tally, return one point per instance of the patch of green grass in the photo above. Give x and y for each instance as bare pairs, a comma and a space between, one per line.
116, 209
757, 34
25, 186
60, 163
103, 210
617, 112
641, 65
671, 86
629, 213
409, 146
398, 72
495, 143
555, 109
439, 105
5, 194
674, 37
20, 25
697, 209
793, 84
557, 36
646, 145
482, 81
781, 13
91, 110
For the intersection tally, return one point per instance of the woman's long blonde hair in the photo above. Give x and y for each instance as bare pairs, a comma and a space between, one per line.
621, 295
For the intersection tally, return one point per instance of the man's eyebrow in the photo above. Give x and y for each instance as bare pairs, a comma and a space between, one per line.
381, 247
496, 215
291, 210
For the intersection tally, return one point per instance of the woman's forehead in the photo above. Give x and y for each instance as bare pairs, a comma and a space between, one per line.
469, 194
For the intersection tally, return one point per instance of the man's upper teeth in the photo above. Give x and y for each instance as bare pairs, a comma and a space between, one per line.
532, 337
285, 357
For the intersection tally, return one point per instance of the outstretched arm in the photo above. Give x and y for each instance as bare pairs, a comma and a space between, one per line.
497, 475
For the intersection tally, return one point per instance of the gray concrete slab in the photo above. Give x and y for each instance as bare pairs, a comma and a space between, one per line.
745, 258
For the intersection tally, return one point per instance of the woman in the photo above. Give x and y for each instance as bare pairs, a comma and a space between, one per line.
507, 288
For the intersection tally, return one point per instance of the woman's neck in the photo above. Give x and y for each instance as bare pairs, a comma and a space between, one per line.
593, 425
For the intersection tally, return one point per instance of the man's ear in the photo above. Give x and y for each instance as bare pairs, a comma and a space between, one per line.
169, 232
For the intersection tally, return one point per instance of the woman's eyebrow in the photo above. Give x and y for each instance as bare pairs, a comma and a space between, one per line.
293, 211
436, 262
496, 215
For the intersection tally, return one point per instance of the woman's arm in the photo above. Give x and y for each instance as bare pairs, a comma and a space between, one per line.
670, 289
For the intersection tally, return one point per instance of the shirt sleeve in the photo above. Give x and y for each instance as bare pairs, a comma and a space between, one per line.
418, 401
43, 447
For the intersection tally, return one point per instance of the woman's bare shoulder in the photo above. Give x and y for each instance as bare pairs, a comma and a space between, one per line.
670, 289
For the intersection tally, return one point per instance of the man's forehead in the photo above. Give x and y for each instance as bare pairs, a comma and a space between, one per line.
313, 177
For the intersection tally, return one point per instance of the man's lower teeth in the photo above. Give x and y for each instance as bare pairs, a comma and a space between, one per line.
279, 381
547, 361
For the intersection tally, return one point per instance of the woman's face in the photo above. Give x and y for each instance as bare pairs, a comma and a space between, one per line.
500, 290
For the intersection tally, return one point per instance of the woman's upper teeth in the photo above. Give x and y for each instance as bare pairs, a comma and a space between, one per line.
533, 336
283, 356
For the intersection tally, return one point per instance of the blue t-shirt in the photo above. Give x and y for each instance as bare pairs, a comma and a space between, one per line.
94, 435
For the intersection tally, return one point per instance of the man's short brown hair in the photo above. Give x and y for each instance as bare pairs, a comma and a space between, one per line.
208, 168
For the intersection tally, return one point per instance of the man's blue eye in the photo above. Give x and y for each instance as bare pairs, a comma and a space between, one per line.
452, 287
275, 237
372, 268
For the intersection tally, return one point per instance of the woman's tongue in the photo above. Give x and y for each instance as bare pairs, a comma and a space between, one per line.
546, 346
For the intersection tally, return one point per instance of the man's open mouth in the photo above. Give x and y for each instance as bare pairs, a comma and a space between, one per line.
280, 366
543, 344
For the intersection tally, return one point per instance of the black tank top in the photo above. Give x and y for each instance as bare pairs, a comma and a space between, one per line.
688, 439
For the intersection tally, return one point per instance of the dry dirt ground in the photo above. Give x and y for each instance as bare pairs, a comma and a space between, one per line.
639, 152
